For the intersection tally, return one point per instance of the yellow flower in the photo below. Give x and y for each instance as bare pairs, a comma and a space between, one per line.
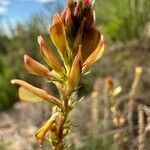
48, 126
27, 88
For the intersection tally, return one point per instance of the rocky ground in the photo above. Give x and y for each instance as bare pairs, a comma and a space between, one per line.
19, 124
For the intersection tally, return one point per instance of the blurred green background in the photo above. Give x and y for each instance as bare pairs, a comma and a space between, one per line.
125, 25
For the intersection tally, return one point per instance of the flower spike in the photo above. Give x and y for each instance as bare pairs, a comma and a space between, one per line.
80, 45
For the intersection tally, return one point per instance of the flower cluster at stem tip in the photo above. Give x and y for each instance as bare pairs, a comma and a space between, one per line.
80, 45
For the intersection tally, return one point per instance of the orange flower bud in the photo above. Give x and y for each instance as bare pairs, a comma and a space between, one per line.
49, 57
35, 68
58, 36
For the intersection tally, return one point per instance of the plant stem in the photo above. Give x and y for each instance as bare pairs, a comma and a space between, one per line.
64, 115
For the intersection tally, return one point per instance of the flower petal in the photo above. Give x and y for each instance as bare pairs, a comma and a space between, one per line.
35, 68
58, 36
28, 96
98, 53
40, 135
67, 19
75, 71
90, 40
49, 56
37, 91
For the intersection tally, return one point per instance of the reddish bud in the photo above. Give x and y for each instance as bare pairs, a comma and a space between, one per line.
56, 19
35, 67
67, 18
87, 3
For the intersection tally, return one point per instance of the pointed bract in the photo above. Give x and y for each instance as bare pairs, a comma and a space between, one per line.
49, 56
75, 72
36, 68
97, 54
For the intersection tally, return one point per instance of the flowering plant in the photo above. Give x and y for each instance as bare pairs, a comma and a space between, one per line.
79, 45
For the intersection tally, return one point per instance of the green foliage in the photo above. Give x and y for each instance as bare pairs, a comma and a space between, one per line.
7, 95
12, 48
122, 19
